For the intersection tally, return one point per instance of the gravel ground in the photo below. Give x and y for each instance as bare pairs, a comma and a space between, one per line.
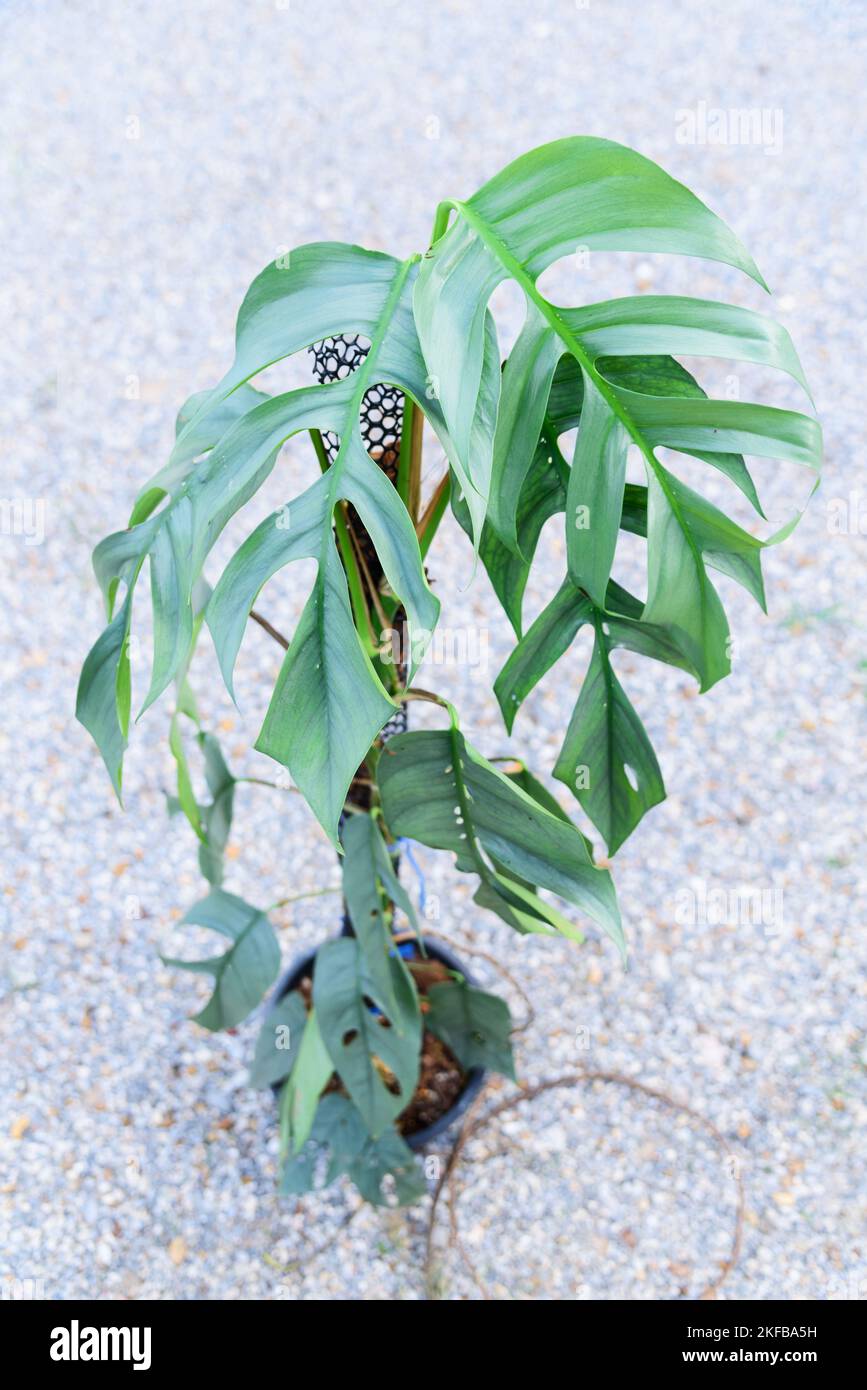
155, 158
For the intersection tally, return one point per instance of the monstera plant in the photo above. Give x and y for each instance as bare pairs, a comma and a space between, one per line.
398, 344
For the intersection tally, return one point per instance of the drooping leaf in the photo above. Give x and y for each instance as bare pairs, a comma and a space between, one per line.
437, 789
388, 1156
359, 1037
607, 759
311, 1071
216, 816
543, 494
370, 885
278, 1042
211, 820
605, 744
339, 1143
244, 972
475, 1025
103, 701
542, 645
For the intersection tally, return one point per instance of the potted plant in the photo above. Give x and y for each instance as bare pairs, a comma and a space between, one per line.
398, 344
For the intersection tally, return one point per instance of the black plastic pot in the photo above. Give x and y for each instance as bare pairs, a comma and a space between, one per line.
304, 966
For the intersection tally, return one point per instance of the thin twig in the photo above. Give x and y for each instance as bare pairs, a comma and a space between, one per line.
271, 631
365, 570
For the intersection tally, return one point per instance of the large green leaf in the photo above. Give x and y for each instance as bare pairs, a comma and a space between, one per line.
356, 1035
244, 972
329, 704
592, 193
437, 789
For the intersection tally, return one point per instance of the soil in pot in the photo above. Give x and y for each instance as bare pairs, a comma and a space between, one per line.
442, 1079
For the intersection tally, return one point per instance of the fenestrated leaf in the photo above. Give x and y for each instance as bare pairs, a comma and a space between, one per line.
592, 193
355, 1036
647, 376
437, 789
213, 421
575, 192
244, 972
278, 1042
336, 1134
605, 735
475, 1025
607, 759
365, 292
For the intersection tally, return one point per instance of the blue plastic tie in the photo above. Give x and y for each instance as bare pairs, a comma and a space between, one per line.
405, 847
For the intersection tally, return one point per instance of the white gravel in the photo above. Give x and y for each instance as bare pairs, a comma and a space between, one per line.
155, 157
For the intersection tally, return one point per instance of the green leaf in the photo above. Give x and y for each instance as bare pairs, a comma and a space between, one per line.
103, 701
212, 821
594, 497
286, 309
370, 885
475, 1025
606, 758
216, 817
591, 193
605, 736
327, 705
388, 1156
339, 1143
354, 1035
522, 909
543, 494
214, 418
278, 1042
335, 1134
543, 644
244, 972
311, 1071
437, 789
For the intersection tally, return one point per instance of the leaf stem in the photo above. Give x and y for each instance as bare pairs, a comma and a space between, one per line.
360, 610
297, 897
